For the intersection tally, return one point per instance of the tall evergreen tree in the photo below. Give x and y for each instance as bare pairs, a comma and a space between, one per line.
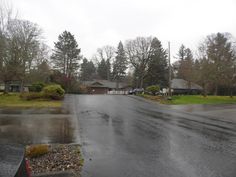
102, 69
157, 73
222, 59
108, 69
66, 56
120, 64
87, 70
186, 65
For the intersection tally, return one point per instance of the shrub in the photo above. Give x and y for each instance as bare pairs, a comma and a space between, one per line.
37, 150
31, 96
153, 89
55, 92
37, 87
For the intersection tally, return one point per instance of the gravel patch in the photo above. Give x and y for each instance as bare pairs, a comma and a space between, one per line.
61, 157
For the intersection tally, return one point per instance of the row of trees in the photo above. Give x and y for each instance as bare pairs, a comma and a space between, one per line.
145, 57
213, 67
24, 57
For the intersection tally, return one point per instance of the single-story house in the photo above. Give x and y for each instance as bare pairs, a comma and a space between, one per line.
105, 87
14, 86
2, 87
181, 86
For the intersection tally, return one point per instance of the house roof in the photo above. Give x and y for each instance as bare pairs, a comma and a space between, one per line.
183, 84
104, 84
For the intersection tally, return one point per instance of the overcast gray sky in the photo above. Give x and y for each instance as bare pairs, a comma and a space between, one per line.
96, 23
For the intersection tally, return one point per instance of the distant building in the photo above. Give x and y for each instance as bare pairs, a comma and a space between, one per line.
181, 86
14, 86
105, 87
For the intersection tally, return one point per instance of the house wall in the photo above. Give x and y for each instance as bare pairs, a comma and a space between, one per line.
186, 91
2, 87
98, 90
118, 92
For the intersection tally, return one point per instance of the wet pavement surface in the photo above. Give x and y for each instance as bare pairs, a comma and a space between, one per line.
34, 126
225, 111
123, 136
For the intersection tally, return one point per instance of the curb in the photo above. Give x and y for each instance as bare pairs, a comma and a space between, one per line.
56, 174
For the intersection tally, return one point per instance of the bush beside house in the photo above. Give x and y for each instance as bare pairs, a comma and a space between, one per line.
153, 89
50, 92
37, 87
54, 92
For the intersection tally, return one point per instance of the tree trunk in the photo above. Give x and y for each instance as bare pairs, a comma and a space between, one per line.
204, 90
141, 81
231, 91
6, 89
22, 86
189, 87
117, 84
216, 90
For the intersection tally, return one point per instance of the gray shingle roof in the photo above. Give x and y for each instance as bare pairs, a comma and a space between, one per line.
183, 84
104, 84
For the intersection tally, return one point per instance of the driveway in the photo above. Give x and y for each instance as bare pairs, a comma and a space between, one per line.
126, 137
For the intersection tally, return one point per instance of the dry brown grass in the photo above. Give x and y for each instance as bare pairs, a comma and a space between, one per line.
37, 150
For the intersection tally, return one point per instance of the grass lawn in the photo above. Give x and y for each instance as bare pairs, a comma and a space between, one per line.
194, 99
13, 100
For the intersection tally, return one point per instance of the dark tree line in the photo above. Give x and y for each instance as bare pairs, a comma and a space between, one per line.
214, 68
141, 61
144, 56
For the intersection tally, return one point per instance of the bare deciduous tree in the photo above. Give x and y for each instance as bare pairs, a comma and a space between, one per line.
139, 53
19, 43
107, 54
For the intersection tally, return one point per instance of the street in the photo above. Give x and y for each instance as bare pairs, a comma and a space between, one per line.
123, 136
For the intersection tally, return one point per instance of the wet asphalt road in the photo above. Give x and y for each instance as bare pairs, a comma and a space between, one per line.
126, 137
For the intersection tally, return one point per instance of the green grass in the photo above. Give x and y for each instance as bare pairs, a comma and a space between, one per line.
151, 97
13, 100
194, 99
198, 99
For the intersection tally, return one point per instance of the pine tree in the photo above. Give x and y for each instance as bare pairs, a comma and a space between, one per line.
108, 69
186, 64
120, 64
102, 69
222, 59
157, 73
66, 56
87, 70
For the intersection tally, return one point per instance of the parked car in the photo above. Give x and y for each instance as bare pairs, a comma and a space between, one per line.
13, 162
137, 91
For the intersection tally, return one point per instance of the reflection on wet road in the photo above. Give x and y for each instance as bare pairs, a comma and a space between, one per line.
125, 137
35, 126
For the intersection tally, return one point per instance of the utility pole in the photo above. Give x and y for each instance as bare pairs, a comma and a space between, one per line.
169, 93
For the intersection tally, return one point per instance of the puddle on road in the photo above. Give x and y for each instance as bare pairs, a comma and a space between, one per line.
36, 128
